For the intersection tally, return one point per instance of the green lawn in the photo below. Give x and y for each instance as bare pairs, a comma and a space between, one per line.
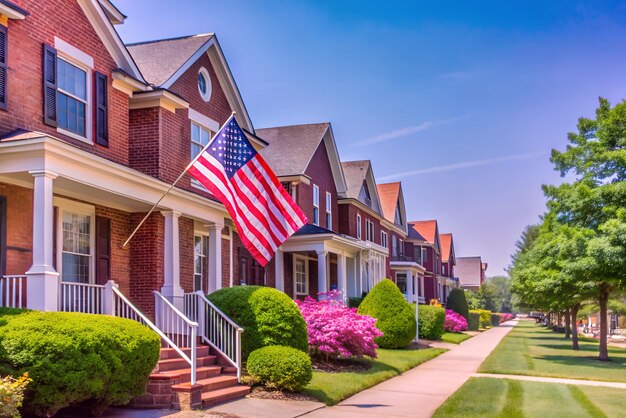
332, 388
487, 397
533, 350
454, 337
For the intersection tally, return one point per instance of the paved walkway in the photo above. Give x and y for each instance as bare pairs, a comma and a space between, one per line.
420, 391
617, 385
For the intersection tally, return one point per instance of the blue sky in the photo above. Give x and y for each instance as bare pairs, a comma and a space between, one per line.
461, 101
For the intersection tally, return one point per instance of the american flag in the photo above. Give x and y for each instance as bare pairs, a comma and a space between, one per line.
264, 213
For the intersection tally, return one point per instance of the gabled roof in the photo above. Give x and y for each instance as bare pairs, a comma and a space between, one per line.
159, 60
423, 230
389, 194
360, 174
446, 247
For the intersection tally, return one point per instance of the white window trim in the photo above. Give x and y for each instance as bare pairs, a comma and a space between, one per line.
316, 192
406, 283
76, 57
306, 273
202, 122
203, 236
368, 236
71, 206
358, 226
329, 210
209, 85
384, 242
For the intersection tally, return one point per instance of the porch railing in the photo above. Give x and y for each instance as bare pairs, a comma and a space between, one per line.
216, 328
81, 297
123, 308
12, 291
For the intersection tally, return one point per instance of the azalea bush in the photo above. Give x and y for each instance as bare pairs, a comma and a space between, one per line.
12, 394
506, 317
455, 322
336, 331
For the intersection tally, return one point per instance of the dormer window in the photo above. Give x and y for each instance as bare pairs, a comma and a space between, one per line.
398, 217
204, 84
364, 194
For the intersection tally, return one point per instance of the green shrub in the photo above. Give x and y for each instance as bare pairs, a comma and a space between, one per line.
485, 318
354, 302
395, 317
74, 357
431, 322
495, 319
268, 317
278, 367
458, 303
473, 320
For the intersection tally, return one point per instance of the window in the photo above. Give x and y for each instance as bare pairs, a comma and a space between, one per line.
398, 215
316, 204
400, 248
424, 257
200, 136
443, 269
401, 282
329, 211
383, 239
300, 275
394, 246
199, 261
204, 84
358, 226
364, 194
72, 97
76, 248
243, 271
369, 231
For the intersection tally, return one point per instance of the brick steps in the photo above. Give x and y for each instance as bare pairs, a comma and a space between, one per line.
179, 363
218, 396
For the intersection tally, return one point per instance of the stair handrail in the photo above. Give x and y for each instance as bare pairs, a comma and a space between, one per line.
141, 318
204, 320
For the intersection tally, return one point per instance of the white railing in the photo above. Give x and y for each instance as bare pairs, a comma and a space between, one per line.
81, 297
216, 329
123, 308
12, 291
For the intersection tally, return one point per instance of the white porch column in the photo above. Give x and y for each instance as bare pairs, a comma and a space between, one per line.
322, 256
279, 270
171, 289
42, 291
215, 257
341, 276
409, 286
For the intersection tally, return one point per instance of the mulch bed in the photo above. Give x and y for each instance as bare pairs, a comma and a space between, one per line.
264, 393
341, 366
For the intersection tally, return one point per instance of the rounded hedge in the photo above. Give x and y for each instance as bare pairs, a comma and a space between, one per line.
473, 320
268, 317
495, 319
431, 321
458, 302
74, 358
279, 367
395, 317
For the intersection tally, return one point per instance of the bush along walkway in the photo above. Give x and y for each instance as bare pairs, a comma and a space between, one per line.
420, 391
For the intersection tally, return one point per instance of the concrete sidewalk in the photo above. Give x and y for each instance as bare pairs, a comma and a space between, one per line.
420, 391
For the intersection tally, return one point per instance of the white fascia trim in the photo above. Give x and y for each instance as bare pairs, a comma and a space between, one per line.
127, 84
361, 206
393, 227
117, 16
109, 37
11, 13
398, 265
371, 180
203, 120
73, 52
297, 179
157, 98
86, 168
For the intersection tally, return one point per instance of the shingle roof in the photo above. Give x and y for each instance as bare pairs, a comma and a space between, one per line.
424, 230
159, 60
445, 240
388, 194
355, 173
291, 147
310, 229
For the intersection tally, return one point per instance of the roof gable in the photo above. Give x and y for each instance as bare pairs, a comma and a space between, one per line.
392, 202
164, 61
447, 248
361, 184
425, 231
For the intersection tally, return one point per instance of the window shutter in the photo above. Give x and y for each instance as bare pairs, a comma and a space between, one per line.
4, 69
101, 99
49, 85
103, 249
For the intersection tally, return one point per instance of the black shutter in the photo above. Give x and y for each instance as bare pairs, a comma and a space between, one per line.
103, 249
101, 99
4, 69
50, 85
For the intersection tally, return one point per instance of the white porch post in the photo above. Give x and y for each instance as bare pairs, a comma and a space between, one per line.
341, 276
215, 257
279, 270
322, 256
171, 289
108, 302
42, 291
409, 286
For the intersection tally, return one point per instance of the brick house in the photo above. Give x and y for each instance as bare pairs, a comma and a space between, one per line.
448, 263
404, 269
471, 272
423, 240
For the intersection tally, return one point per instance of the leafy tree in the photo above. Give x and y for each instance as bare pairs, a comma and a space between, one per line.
483, 298
501, 286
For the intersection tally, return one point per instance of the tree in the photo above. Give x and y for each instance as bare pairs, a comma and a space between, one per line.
595, 202
502, 289
483, 298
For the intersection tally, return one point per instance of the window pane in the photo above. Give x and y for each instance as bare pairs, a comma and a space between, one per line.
195, 133
75, 268
80, 83
62, 110
195, 149
81, 118
204, 136
71, 114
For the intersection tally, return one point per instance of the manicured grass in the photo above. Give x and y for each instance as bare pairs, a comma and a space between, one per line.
536, 351
486, 397
455, 337
332, 388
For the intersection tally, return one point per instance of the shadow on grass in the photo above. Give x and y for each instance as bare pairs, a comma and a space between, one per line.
615, 363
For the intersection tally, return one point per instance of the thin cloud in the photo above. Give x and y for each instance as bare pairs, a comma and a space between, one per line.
462, 165
402, 132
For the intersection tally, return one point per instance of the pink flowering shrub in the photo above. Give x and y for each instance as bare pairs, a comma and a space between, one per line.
506, 317
455, 322
336, 331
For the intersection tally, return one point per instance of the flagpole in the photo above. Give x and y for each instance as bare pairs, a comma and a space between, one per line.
177, 180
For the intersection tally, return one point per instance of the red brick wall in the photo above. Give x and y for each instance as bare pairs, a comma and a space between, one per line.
144, 147
185, 226
48, 19
20, 228
146, 267
120, 257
